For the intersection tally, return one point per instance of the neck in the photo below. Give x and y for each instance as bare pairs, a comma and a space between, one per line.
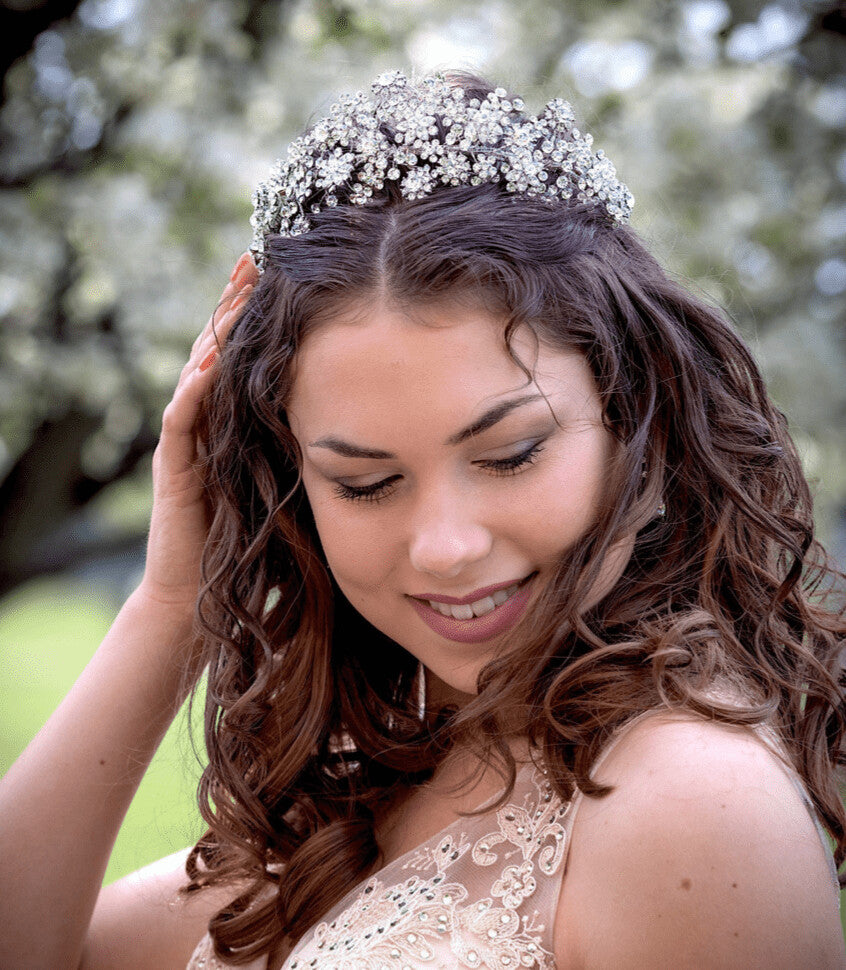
440, 694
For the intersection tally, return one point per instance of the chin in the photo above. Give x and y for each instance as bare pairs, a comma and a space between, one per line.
451, 686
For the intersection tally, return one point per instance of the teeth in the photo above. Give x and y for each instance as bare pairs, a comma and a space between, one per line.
481, 607
463, 612
440, 607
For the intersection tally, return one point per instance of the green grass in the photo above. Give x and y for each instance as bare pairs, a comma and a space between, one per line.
48, 631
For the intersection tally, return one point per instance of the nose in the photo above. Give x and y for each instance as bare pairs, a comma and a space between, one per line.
446, 538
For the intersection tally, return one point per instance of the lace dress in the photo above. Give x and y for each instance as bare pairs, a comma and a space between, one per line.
482, 893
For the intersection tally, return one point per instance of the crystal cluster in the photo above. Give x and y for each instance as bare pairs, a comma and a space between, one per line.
422, 133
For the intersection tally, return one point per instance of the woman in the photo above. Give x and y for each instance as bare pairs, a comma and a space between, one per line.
503, 564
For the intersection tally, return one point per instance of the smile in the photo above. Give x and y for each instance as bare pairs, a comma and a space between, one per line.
480, 608
479, 620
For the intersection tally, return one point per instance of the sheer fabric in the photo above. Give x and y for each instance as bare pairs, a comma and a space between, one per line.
482, 893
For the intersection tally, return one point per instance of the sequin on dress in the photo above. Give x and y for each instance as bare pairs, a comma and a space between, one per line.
481, 893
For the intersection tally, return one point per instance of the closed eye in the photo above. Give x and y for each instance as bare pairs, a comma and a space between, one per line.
500, 466
512, 464
365, 493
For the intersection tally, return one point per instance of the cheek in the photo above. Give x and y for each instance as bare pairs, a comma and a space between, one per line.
551, 524
357, 550
361, 558
563, 502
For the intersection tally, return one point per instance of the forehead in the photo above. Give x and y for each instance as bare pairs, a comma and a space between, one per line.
377, 364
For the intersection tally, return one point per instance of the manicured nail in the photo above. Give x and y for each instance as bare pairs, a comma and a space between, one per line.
209, 360
241, 298
240, 265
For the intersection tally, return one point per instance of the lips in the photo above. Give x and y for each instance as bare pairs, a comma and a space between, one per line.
493, 612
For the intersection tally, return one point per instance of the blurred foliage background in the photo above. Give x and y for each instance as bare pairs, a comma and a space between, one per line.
132, 133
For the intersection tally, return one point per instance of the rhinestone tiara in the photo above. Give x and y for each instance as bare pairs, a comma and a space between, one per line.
422, 133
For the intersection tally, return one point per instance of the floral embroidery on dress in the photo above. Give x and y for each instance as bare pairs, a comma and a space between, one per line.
515, 884
430, 918
447, 852
535, 828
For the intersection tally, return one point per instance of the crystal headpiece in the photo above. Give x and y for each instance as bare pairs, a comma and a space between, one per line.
422, 133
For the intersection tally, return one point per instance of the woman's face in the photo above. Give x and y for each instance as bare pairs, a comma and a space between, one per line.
441, 482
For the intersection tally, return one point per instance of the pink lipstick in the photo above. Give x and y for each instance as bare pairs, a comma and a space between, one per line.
477, 629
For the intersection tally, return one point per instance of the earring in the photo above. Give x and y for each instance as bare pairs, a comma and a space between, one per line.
421, 690
661, 511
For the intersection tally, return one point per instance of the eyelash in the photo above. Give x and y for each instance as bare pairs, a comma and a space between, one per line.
501, 466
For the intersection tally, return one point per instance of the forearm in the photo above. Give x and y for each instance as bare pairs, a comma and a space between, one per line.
63, 801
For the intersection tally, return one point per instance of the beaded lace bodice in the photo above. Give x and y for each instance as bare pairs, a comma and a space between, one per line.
480, 893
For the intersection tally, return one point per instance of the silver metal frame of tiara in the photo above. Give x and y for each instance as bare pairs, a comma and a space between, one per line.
423, 133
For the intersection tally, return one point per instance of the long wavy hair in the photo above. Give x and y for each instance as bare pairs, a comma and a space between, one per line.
311, 723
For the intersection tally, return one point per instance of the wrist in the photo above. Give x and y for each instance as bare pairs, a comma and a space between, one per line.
171, 601
170, 624
163, 610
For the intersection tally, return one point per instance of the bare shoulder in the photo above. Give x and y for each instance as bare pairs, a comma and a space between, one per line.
703, 855
142, 922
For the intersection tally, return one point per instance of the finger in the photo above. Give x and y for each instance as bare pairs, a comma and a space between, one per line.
202, 355
178, 443
178, 440
227, 298
216, 338
245, 273
232, 315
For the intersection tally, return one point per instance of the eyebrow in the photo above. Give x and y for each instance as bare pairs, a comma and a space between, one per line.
491, 417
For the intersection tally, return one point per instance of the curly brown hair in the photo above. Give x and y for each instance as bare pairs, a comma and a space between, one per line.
311, 723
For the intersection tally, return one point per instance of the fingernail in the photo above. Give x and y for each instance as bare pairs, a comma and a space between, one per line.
241, 298
240, 265
209, 360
